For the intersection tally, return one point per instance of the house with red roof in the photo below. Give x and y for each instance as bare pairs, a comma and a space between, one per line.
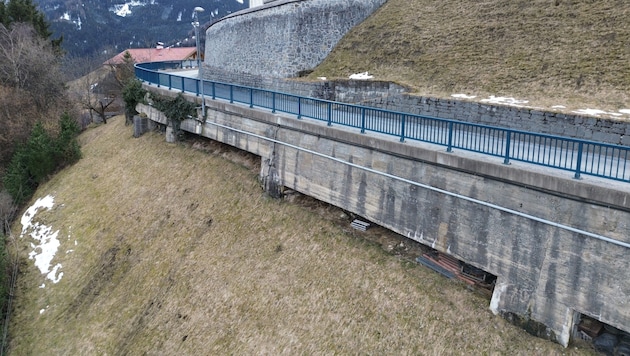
157, 54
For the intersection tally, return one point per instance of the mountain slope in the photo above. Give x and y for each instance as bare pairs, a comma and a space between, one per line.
91, 25
170, 250
550, 52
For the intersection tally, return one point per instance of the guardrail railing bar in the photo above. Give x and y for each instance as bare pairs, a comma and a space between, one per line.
593, 158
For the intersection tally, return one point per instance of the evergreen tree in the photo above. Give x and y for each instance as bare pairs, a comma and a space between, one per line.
24, 11
40, 157
17, 181
67, 150
40, 160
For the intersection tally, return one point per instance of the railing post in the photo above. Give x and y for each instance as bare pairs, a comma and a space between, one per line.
578, 165
197, 86
231, 94
214, 96
449, 147
329, 113
362, 120
251, 97
506, 157
299, 107
170, 82
402, 129
182, 84
273, 102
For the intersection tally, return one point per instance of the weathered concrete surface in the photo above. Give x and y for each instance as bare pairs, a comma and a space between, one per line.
545, 273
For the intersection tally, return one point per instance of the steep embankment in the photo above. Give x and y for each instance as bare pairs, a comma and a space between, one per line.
550, 52
170, 250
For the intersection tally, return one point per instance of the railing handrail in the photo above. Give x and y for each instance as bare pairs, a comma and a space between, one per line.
579, 156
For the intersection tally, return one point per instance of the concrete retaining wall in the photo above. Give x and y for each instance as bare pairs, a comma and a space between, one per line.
546, 273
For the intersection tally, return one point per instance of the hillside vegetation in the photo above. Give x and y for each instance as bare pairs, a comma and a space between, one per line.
174, 249
551, 52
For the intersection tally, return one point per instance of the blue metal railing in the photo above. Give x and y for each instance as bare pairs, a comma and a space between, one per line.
578, 156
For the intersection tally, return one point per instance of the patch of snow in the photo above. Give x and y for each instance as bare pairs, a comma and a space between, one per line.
361, 76
65, 16
463, 96
179, 17
124, 10
593, 112
558, 107
41, 311
321, 78
44, 252
503, 100
625, 111
53, 276
43, 286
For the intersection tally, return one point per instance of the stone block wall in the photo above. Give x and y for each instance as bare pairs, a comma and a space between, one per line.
607, 130
394, 97
281, 38
261, 46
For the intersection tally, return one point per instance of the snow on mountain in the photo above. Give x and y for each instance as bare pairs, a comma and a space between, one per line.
88, 26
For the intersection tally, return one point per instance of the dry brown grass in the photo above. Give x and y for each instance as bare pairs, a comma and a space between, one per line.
550, 52
179, 252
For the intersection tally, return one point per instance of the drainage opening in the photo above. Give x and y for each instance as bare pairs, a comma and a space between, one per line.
605, 338
451, 267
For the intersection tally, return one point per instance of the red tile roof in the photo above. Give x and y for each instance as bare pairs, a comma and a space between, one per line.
140, 55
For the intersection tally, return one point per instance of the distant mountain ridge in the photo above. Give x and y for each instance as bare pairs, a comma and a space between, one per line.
88, 26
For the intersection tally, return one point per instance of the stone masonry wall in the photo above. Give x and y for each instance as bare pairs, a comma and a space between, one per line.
518, 118
263, 46
390, 96
282, 38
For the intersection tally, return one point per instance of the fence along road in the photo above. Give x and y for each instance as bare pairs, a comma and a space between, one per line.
574, 155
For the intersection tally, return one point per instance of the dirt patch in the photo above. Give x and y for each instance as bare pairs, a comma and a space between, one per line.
113, 261
232, 154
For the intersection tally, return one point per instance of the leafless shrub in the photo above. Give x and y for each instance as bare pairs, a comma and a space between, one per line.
29, 63
7, 211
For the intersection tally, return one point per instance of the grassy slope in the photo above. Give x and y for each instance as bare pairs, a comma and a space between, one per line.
575, 53
178, 251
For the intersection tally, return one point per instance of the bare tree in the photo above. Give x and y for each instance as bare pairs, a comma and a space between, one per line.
29, 63
31, 86
96, 92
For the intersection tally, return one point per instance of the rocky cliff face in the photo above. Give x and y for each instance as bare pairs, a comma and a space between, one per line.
91, 25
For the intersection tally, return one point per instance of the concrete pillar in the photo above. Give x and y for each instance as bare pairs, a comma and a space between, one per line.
140, 125
170, 133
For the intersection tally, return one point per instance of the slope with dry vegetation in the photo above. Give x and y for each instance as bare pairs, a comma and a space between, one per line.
550, 52
171, 250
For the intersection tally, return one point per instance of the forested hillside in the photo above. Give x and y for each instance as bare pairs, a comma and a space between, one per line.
89, 26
